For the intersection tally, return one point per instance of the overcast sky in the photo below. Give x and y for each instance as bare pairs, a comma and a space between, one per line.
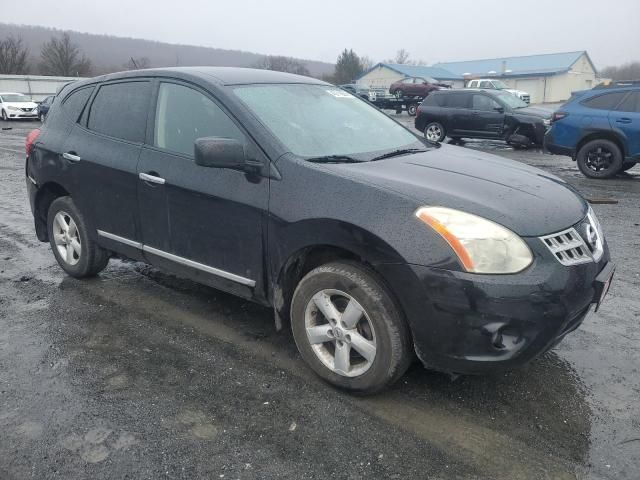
433, 31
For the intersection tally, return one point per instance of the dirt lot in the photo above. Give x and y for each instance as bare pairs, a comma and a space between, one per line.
137, 374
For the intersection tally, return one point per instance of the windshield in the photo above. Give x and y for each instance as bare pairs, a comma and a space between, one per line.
322, 120
500, 85
511, 100
14, 97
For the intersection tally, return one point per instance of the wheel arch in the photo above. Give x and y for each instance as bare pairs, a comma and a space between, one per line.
356, 247
602, 135
47, 193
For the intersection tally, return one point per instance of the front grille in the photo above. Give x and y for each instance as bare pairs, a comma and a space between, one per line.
571, 247
26, 109
526, 98
568, 247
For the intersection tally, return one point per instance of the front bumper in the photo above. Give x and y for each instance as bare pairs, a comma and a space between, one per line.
32, 114
468, 323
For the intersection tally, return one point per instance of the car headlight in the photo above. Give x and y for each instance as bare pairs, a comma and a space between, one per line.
11, 107
546, 122
481, 245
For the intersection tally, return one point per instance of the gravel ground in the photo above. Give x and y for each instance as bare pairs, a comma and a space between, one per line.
138, 374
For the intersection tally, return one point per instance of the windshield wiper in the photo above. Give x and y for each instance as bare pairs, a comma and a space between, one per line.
334, 159
395, 153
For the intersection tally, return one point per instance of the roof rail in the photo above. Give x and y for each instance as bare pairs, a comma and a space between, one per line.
618, 83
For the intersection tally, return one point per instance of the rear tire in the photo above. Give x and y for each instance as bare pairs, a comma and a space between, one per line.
399, 94
75, 251
348, 329
599, 159
435, 132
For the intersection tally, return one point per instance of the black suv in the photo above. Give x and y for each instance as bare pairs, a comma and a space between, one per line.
475, 113
295, 194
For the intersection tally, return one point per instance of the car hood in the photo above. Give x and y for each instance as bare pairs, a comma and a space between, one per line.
21, 104
514, 91
534, 112
526, 200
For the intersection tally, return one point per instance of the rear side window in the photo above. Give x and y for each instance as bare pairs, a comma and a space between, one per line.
120, 110
434, 100
184, 115
74, 102
608, 101
631, 103
457, 100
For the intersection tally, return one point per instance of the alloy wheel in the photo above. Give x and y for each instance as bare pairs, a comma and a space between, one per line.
433, 133
67, 238
340, 332
600, 158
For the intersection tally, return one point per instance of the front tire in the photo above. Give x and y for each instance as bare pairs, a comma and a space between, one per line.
599, 159
434, 132
348, 328
75, 251
399, 94
4, 115
412, 109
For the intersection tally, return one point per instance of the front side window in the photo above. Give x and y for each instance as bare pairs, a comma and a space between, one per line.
608, 101
483, 102
511, 100
500, 85
120, 110
74, 103
184, 115
320, 120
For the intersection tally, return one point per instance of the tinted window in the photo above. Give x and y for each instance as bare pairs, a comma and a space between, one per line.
486, 84
631, 103
457, 100
184, 115
608, 101
120, 110
434, 100
74, 103
482, 102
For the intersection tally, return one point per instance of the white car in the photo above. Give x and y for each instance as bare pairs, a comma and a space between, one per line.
489, 84
17, 105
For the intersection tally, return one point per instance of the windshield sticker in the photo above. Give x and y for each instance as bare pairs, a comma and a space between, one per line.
340, 94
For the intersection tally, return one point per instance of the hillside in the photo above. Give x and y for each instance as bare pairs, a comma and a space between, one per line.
108, 53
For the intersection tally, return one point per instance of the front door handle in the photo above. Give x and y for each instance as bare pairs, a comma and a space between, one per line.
72, 157
151, 178
623, 120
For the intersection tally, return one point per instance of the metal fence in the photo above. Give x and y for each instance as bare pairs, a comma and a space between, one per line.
35, 86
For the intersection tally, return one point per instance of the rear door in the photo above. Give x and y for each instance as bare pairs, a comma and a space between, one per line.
626, 120
103, 148
458, 114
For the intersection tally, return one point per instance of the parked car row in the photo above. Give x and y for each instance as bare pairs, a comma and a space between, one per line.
17, 106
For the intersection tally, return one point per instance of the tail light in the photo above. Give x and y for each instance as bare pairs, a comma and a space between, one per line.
28, 144
558, 116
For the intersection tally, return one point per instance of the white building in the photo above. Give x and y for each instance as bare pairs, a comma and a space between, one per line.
34, 86
548, 78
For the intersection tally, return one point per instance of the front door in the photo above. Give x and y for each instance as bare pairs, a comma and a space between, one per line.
205, 222
487, 116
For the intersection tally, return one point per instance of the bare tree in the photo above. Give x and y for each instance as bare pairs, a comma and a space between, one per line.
366, 62
282, 64
13, 56
627, 71
62, 57
137, 63
402, 56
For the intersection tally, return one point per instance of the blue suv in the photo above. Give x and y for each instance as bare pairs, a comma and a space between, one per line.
600, 129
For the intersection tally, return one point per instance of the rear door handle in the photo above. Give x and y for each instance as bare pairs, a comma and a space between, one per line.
72, 157
623, 120
151, 178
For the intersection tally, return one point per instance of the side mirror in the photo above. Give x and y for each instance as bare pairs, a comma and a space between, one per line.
499, 109
219, 152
